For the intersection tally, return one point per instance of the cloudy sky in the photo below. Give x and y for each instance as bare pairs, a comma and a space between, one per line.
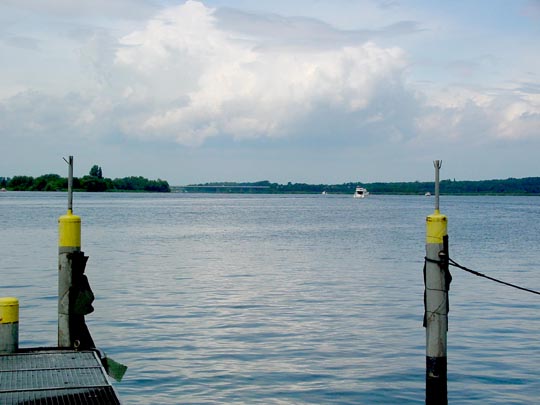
316, 91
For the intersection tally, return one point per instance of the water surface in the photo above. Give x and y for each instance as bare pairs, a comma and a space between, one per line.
313, 299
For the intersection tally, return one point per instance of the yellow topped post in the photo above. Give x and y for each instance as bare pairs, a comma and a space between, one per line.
9, 310
437, 282
436, 227
69, 225
69, 232
9, 325
69, 243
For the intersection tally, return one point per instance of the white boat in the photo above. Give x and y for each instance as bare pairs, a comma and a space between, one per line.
360, 192
428, 194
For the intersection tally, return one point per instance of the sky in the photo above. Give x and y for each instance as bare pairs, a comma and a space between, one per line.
312, 91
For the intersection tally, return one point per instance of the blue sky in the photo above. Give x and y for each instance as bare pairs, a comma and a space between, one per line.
320, 91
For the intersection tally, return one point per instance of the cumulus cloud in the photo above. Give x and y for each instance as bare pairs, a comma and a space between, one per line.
33, 114
520, 118
207, 81
191, 73
481, 115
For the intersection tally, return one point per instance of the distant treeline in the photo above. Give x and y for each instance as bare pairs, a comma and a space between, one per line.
525, 186
91, 182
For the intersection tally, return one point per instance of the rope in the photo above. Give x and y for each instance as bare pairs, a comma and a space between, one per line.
452, 262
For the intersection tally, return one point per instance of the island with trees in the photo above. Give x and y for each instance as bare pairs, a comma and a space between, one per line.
93, 181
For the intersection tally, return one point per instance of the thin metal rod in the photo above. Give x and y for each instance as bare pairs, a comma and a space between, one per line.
70, 185
437, 164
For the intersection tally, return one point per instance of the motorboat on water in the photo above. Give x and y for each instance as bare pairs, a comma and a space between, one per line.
360, 192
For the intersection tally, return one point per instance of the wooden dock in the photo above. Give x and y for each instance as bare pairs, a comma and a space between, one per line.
54, 376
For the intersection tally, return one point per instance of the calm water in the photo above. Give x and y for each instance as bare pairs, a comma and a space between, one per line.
218, 299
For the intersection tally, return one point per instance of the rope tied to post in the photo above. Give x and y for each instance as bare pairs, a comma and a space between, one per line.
453, 263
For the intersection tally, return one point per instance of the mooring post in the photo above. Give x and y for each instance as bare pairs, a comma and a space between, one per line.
437, 282
74, 293
69, 241
9, 325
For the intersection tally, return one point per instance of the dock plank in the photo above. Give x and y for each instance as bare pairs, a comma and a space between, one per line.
46, 376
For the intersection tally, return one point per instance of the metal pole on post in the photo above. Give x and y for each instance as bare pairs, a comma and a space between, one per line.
70, 185
438, 165
69, 242
437, 283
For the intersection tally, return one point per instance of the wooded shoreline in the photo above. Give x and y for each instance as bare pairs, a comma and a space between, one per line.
511, 186
53, 182
95, 183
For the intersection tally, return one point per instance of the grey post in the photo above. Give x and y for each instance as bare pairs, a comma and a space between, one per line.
69, 243
74, 293
437, 282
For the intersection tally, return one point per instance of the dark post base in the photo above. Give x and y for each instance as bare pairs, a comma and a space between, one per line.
436, 381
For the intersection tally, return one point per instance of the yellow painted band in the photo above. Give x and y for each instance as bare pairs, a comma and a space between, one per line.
9, 310
69, 230
436, 227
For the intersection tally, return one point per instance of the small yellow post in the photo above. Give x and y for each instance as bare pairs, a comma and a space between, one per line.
9, 325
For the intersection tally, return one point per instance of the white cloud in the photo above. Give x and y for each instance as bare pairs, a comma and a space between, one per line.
520, 119
481, 115
191, 73
209, 82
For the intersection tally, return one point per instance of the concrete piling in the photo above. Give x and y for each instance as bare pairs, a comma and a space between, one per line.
437, 283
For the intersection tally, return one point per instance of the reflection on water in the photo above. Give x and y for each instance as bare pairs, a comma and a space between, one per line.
284, 299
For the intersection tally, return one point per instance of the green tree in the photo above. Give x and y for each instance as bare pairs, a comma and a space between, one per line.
20, 183
96, 171
49, 182
140, 183
94, 183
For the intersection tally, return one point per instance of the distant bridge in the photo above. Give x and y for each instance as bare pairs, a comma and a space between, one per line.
217, 188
